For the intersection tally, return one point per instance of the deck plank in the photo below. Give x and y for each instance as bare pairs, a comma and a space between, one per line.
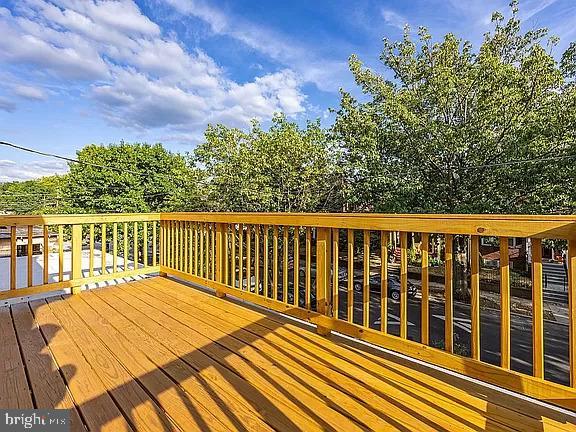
228, 410
182, 407
14, 390
372, 408
297, 407
319, 365
159, 355
48, 386
97, 407
131, 398
524, 413
227, 384
279, 371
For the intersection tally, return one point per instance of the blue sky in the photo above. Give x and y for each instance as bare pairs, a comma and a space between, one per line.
74, 72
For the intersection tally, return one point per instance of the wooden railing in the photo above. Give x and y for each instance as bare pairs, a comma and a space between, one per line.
308, 265
332, 270
75, 250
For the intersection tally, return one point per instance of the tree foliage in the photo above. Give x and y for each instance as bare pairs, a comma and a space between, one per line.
40, 196
286, 168
443, 134
139, 178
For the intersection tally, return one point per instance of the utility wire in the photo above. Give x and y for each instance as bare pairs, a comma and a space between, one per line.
29, 150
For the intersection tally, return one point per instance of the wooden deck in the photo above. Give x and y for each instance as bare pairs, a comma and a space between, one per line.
156, 355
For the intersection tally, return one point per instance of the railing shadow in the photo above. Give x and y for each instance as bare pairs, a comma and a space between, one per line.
263, 398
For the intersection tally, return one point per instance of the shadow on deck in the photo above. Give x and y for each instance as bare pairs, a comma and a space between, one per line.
158, 355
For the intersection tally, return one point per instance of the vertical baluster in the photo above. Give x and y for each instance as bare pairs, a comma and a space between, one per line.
241, 256
191, 248
266, 255
475, 296
233, 254
196, 248
174, 241
46, 256
322, 275
504, 304
537, 310
91, 246
425, 306
297, 266
207, 250
60, 253
572, 309
448, 289
366, 280
201, 235
350, 275
285, 265
154, 249
13, 250
308, 266
125, 248
145, 243
30, 249
226, 280
248, 256
275, 262
76, 254
213, 241
103, 250
403, 284
257, 258
335, 284
114, 247
136, 248
383, 281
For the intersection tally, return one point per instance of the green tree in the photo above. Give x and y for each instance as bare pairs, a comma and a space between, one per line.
286, 168
444, 133
132, 178
39, 196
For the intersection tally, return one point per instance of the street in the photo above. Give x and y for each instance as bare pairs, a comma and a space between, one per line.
555, 337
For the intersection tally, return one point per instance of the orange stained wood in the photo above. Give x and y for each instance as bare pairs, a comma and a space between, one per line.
504, 304
448, 295
157, 355
425, 306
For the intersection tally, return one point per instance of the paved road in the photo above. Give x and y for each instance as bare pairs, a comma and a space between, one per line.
556, 335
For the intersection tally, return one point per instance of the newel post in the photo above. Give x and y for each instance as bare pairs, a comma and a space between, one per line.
76, 258
323, 259
220, 257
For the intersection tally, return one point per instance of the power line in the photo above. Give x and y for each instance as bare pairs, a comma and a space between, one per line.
30, 150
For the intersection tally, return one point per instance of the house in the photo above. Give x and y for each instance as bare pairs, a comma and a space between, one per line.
22, 240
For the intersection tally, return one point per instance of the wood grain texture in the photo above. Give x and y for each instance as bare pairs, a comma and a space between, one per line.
159, 355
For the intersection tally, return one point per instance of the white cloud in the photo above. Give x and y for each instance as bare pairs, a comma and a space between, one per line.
393, 19
138, 77
12, 171
327, 74
29, 92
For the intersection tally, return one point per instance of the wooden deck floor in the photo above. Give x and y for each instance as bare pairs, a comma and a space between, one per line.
156, 355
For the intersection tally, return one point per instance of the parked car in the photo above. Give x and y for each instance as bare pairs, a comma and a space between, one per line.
393, 286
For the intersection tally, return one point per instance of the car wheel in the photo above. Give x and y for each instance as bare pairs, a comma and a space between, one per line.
395, 295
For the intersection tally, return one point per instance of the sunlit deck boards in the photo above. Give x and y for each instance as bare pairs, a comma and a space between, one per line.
158, 355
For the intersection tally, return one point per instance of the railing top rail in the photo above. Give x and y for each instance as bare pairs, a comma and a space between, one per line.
73, 219
537, 226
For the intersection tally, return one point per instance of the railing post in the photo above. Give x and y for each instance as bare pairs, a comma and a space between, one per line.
323, 276
163, 248
220, 256
76, 257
